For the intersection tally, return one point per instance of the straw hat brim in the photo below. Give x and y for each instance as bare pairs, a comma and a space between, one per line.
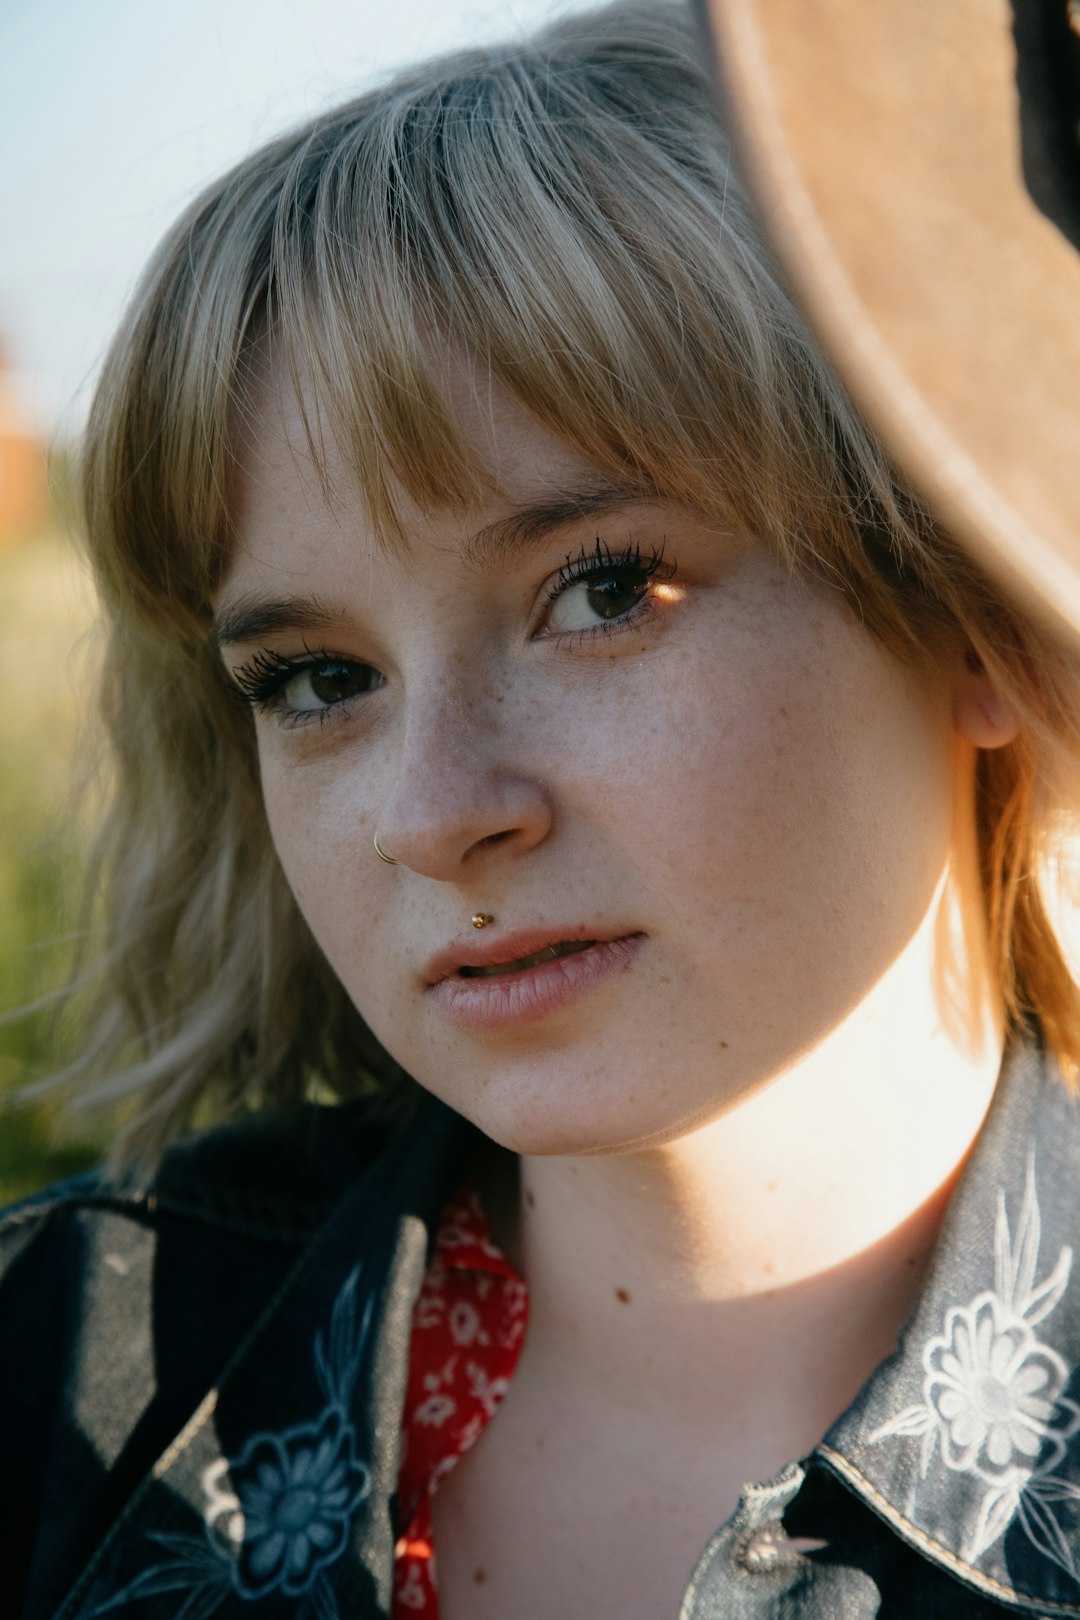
890, 151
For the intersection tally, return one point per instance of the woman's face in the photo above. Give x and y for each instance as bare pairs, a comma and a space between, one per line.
591, 718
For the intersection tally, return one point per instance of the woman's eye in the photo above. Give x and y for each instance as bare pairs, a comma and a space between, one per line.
324, 684
611, 595
292, 691
598, 589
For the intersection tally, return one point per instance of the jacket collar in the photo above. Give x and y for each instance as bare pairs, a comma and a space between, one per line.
967, 1439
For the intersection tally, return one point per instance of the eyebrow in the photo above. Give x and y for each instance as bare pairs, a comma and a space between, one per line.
251, 617
530, 524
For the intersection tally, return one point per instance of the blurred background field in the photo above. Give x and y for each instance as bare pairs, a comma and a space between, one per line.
46, 680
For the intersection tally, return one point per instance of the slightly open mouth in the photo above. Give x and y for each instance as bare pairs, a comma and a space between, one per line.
565, 947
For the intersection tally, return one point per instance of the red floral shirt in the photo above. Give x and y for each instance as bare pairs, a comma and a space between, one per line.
467, 1332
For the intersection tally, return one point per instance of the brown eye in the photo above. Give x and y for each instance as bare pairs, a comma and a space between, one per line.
604, 595
329, 682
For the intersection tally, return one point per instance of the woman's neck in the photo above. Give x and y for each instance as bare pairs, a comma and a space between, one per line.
804, 1217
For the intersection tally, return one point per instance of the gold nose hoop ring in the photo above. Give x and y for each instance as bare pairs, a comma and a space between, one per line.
390, 860
480, 919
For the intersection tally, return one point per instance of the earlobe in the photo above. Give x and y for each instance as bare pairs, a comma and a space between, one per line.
981, 712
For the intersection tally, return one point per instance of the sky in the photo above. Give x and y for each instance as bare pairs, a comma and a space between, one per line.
113, 113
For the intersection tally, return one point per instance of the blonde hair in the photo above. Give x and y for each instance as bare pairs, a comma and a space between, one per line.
565, 211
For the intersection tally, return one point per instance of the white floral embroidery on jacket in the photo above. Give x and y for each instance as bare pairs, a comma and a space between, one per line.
992, 1402
277, 1515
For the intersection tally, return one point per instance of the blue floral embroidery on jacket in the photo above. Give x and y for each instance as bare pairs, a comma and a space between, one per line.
277, 1516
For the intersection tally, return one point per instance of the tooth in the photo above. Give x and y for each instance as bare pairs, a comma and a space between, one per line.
548, 954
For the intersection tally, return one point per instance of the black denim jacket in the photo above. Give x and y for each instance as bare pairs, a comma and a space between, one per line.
203, 1383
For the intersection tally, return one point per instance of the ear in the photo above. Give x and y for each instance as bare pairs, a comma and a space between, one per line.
981, 712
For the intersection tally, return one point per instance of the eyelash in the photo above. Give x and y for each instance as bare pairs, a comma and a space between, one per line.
600, 563
259, 682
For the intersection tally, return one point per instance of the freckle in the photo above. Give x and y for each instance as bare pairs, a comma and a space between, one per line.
540, 1442
770, 1293
912, 1261
480, 1574
771, 1187
530, 1198
769, 1269
783, 711
723, 1046
622, 1296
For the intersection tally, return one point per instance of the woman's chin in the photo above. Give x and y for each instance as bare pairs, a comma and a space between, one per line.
545, 1122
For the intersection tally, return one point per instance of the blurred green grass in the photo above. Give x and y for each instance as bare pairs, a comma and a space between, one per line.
46, 680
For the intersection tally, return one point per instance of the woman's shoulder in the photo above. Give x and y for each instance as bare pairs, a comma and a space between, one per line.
177, 1262
125, 1304
271, 1177
179, 1265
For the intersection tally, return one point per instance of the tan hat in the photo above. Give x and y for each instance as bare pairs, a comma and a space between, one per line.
917, 164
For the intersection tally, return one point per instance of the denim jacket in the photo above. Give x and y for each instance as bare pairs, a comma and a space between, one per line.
204, 1380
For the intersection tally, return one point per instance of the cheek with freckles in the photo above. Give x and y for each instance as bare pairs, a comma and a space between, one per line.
320, 831
789, 811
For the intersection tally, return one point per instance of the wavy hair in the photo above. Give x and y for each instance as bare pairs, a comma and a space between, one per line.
566, 210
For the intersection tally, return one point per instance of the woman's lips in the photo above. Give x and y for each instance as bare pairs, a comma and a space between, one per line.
565, 947
528, 986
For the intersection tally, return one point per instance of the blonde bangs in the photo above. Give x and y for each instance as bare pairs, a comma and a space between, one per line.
516, 215
507, 206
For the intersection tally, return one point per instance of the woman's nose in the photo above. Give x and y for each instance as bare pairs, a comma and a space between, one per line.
462, 796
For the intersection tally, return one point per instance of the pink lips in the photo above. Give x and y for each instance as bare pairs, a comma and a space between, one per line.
518, 994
